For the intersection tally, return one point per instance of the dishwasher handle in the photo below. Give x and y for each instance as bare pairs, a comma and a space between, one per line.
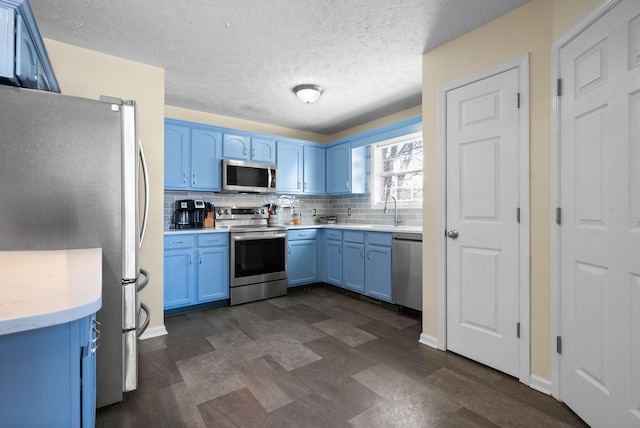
400, 236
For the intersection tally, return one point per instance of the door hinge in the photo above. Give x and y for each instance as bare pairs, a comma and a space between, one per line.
518, 214
559, 344
558, 215
518, 100
559, 87
518, 330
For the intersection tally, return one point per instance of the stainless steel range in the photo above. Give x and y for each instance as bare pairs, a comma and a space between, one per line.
258, 254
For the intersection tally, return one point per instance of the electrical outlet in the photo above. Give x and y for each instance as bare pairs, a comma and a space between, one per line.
349, 212
314, 212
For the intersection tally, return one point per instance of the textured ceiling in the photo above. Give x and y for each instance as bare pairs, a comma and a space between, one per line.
241, 58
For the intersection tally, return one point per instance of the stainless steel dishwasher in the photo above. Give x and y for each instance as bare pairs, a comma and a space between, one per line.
406, 282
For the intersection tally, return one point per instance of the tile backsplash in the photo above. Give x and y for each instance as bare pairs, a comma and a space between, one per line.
360, 205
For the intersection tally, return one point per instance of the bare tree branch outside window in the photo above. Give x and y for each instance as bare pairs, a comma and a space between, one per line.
399, 170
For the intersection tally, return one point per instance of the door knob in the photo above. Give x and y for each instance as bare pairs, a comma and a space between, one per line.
453, 234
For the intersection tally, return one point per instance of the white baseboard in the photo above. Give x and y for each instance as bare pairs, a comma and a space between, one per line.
154, 332
540, 384
430, 341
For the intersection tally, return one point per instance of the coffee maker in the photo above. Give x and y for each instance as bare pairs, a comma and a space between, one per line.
189, 214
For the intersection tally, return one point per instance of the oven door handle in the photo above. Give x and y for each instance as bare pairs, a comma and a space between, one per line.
258, 235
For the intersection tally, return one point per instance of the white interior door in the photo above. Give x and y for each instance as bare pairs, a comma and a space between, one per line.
599, 233
482, 265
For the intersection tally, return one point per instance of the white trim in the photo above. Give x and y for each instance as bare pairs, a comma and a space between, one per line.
154, 332
540, 384
520, 63
428, 340
571, 34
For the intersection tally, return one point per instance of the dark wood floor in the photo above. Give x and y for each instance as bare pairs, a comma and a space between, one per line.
318, 358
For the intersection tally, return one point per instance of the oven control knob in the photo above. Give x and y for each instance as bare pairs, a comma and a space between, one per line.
256, 210
226, 212
219, 211
262, 211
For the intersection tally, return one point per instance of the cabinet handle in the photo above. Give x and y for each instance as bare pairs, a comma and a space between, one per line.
200, 258
289, 249
189, 258
298, 184
95, 341
176, 242
368, 252
253, 153
184, 178
305, 185
361, 253
212, 240
348, 184
244, 151
301, 235
194, 179
340, 250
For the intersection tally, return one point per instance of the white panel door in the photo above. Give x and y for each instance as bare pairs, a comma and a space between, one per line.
599, 235
482, 201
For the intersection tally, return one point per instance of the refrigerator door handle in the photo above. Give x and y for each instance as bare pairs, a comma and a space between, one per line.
145, 177
142, 284
129, 305
144, 325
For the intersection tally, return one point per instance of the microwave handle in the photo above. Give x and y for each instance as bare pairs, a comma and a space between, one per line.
270, 178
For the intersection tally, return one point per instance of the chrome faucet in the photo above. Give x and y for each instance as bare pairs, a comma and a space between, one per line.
396, 220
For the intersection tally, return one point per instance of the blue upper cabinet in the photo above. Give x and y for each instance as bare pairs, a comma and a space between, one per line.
176, 156
263, 150
347, 168
243, 147
301, 168
191, 156
314, 170
23, 58
289, 178
206, 146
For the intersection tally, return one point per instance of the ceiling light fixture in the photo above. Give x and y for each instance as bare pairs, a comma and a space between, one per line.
308, 93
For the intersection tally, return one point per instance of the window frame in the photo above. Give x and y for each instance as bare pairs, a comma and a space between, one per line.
376, 173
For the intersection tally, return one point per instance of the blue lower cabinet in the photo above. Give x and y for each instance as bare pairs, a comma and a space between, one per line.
48, 376
353, 262
378, 265
196, 269
302, 257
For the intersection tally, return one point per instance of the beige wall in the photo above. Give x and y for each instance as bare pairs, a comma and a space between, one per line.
529, 29
89, 74
245, 125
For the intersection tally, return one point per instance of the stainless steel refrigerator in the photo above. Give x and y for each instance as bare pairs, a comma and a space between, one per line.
69, 178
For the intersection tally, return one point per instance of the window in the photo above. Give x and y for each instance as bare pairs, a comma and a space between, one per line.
396, 170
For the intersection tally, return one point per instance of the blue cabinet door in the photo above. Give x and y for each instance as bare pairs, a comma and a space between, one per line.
289, 167
302, 264
176, 157
179, 278
378, 272
213, 274
205, 159
263, 150
353, 278
333, 250
339, 169
314, 169
40, 372
7, 42
236, 147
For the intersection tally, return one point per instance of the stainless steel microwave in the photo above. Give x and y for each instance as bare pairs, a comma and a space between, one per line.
248, 177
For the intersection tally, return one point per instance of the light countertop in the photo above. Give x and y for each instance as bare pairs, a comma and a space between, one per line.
44, 288
347, 226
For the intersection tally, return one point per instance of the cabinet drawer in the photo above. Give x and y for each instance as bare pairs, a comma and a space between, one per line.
179, 241
300, 234
334, 234
379, 238
212, 239
351, 236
